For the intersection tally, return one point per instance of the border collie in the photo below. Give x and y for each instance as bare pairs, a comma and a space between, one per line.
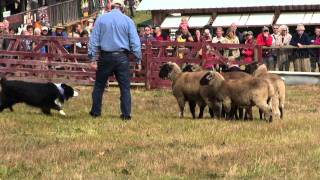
45, 96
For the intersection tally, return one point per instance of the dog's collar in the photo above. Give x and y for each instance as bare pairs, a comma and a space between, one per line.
61, 90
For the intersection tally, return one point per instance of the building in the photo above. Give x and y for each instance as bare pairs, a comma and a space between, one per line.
245, 13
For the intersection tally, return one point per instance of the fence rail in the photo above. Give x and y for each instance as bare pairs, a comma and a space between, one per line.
60, 64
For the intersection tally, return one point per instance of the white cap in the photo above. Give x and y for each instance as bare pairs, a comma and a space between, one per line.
44, 28
120, 2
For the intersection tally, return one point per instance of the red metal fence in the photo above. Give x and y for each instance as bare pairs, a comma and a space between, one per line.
65, 62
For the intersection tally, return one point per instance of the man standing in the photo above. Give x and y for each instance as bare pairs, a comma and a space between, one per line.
301, 60
115, 35
265, 39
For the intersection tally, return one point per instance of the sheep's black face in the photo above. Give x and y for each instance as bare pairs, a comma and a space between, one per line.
164, 71
187, 68
206, 79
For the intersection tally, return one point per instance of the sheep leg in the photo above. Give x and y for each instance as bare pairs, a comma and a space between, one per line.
233, 113
248, 113
211, 112
181, 103
202, 107
260, 114
192, 106
241, 113
281, 112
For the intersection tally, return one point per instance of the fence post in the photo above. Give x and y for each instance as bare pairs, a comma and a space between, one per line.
148, 56
259, 49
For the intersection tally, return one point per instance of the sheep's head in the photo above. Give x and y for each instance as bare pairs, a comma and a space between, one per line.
191, 67
262, 69
206, 79
211, 76
165, 70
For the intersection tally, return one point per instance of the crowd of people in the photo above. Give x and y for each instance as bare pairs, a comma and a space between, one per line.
278, 57
38, 29
278, 38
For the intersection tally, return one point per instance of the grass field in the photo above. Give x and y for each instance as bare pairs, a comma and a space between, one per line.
156, 144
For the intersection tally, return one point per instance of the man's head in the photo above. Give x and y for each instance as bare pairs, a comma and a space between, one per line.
265, 30
219, 32
275, 29
30, 29
233, 27
118, 4
78, 28
317, 31
184, 30
300, 29
157, 30
283, 30
147, 30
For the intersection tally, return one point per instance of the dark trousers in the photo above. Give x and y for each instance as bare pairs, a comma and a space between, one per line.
108, 64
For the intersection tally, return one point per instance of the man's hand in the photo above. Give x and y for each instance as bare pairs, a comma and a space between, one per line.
139, 67
300, 45
93, 65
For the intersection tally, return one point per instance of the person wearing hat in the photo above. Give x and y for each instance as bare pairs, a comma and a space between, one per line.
60, 31
248, 53
115, 35
301, 60
232, 53
265, 39
283, 39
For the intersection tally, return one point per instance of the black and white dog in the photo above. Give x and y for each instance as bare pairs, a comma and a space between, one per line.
45, 96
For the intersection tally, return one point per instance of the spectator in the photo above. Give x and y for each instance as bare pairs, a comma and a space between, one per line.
316, 57
234, 28
37, 32
283, 39
1, 33
185, 34
158, 34
78, 28
141, 32
60, 31
44, 31
184, 23
265, 39
147, 34
84, 34
90, 25
207, 35
13, 31
197, 37
276, 32
30, 30
248, 53
231, 53
301, 61
274, 35
27, 42
219, 36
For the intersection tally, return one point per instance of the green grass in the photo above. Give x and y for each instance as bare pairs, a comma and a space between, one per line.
157, 144
142, 16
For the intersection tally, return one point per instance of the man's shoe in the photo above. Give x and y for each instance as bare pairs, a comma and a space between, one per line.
125, 118
94, 115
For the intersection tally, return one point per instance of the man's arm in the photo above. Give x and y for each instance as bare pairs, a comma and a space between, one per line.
94, 41
134, 42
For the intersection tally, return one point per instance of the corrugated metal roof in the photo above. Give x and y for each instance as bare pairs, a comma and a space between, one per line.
147, 5
293, 18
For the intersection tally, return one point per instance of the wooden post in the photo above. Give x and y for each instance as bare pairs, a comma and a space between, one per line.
148, 60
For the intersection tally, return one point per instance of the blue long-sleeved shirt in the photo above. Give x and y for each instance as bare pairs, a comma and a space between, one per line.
114, 31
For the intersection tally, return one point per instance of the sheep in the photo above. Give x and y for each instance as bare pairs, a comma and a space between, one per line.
192, 67
185, 87
277, 82
247, 92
